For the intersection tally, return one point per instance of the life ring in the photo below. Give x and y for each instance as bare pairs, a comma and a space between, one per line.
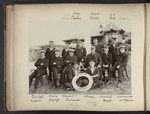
84, 88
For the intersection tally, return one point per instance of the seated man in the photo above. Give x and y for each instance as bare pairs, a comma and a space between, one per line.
71, 74
96, 57
69, 61
106, 64
94, 72
41, 70
56, 63
121, 63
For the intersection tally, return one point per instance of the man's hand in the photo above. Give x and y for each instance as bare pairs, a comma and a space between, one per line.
85, 69
54, 63
99, 66
106, 65
47, 71
118, 66
42, 63
82, 60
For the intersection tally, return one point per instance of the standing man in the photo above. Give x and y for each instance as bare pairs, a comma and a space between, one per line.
80, 52
50, 53
65, 51
97, 45
113, 50
57, 64
121, 63
41, 64
69, 61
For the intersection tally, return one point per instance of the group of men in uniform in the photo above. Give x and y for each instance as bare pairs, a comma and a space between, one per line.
101, 64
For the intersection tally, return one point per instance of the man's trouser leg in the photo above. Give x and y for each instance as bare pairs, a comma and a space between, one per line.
100, 74
70, 77
31, 77
56, 76
113, 71
50, 73
63, 79
120, 71
39, 74
103, 73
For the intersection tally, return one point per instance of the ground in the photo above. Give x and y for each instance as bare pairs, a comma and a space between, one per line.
110, 89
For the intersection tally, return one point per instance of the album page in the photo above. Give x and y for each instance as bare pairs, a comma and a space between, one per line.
147, 56
63, 57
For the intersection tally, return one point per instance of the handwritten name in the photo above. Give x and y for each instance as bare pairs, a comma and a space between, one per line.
70, 99
89, 96
125, 100
37, 96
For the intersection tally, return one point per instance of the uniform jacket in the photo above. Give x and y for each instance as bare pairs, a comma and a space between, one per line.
106, 58
64, 53
95, 57
98, 48
122, 59
114, 51
70, 60
58, 62
80, 52
50, 54
45, 62
88, 71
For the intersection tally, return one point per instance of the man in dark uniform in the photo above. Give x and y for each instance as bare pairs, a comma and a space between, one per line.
65, 51
80, 52
41, 70
97, 45
50, 53
96, 57
113, 50
57, 64
71, 74
106, 63
121, 63
69, 61
93, 56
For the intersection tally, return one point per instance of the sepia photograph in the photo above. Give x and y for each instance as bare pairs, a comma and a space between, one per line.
80, 57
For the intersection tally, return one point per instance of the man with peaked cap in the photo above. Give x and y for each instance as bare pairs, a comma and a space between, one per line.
121, 63
41, 64
80, 52
56, 64
106, 63
97, 46
50, 53
69, 61
93, 56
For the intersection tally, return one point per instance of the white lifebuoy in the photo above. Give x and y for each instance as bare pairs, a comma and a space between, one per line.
85, 88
